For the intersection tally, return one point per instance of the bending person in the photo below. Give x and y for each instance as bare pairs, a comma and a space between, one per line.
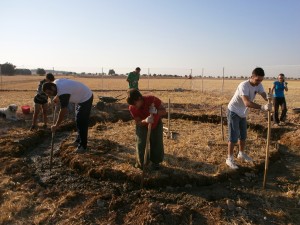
70, 91
145, 110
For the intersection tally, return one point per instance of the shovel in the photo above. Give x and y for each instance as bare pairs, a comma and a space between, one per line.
52, 139
52, 146
147, 151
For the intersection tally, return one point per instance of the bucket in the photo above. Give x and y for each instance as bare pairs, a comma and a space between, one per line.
25, 109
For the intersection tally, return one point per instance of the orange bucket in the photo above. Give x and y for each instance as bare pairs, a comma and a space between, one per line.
25, 109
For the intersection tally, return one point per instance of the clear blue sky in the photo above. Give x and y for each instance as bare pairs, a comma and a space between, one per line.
163, 35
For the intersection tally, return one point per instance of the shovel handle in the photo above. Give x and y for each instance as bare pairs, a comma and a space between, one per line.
268, 144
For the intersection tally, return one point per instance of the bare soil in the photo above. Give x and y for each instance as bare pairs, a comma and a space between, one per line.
193, 186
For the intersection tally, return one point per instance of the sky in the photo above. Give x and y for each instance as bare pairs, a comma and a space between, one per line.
160, 36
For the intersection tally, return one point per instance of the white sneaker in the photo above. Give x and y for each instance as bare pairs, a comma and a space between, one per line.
231, 164
244, 156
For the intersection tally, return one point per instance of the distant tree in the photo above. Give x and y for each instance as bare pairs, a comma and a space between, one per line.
111, 72
23, 72
8, 69
40, 71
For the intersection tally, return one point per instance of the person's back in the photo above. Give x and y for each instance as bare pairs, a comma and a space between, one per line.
77, 90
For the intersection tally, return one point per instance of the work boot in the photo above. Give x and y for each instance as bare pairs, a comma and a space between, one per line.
155, 166
244, 156
33, 127
230, 162
81, 149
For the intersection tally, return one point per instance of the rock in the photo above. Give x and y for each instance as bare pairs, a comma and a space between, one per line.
188, 186
239, 209
248, 174
230, 205
100, 203
169, 188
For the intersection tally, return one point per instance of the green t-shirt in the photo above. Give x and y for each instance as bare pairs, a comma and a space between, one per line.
133, 80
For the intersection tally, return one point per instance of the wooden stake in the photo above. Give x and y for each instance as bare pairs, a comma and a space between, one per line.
223, 81
222, 128
169, 118
268, 144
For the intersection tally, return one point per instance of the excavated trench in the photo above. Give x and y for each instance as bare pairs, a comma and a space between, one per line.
71, 171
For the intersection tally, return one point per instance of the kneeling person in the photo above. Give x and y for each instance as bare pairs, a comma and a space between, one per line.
145, 110
70, 91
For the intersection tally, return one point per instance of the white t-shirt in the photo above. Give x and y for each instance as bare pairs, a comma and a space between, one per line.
78, 92
236, 104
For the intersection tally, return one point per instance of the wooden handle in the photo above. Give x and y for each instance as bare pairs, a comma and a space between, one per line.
268, 144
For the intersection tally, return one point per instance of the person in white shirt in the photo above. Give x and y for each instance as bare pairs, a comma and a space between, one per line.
70, 91
237, 113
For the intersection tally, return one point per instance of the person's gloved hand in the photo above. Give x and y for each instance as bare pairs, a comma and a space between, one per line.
266, 107
149, 119
152, 110
269, 96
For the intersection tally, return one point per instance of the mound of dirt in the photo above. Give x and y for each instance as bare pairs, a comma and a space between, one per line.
291, 139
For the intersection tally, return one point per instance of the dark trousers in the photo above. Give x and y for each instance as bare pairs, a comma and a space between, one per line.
279, 101
156, 143
82, 115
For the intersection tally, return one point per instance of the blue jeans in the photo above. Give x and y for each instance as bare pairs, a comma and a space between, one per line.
237, 127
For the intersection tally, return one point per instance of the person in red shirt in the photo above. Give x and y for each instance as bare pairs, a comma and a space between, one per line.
145, 110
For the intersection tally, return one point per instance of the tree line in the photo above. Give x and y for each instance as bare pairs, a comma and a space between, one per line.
10, 70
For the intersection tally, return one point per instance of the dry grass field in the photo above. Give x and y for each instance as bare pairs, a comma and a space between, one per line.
213, 87
102, 186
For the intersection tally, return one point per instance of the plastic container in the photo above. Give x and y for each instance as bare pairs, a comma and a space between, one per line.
25, 109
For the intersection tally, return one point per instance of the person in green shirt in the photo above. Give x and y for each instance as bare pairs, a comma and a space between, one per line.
133, 78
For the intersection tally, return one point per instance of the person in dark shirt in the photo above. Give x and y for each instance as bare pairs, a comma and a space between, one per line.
41, 102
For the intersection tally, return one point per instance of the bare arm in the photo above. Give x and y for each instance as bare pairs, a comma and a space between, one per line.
264, 95
61, 116
249, 103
